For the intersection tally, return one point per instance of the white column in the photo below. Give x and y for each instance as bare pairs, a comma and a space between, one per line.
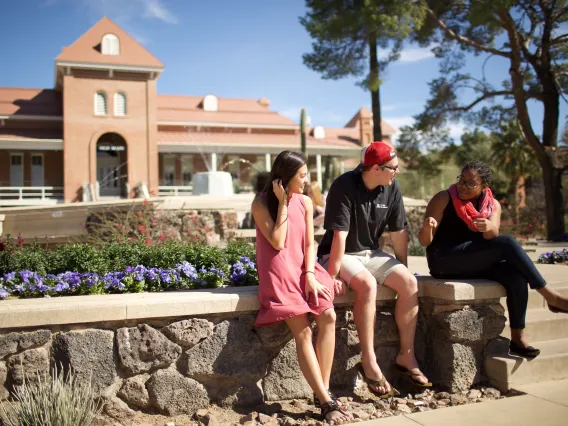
342, 165
267, 162
213, 161
318, 170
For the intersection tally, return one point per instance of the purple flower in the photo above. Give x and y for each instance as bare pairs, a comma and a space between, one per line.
10, 276
91, 279
3, 293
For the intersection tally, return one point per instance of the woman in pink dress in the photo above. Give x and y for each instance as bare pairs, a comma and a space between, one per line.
291, 283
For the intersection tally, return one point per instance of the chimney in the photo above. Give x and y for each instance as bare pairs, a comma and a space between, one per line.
265, 102
365, 127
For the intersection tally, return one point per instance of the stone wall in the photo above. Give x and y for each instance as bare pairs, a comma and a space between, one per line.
175, 365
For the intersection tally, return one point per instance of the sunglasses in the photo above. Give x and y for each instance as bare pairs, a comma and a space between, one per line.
394, 169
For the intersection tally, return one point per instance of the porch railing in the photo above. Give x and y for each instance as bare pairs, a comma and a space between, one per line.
23, 195
175, 191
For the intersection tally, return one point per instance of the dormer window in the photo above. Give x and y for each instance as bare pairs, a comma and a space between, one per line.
210, 103
319, 132
110, 45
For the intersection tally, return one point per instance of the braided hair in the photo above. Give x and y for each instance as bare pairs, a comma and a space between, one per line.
485, 173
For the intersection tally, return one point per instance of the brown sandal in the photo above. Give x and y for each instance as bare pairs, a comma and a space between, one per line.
317, 402
329, 407
382, 382
411, 374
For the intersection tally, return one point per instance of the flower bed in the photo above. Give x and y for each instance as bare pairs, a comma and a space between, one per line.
554, 257
123, 268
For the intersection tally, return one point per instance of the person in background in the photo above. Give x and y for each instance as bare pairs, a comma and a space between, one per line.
291, 283
461, 233
313, 191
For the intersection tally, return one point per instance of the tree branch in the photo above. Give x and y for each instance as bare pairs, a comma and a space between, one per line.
559, 40
464, 40
487, 95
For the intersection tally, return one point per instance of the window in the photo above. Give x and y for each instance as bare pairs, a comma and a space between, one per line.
100, 103
110, 45
119, 104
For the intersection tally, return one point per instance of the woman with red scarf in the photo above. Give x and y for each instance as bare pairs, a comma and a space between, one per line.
461, 233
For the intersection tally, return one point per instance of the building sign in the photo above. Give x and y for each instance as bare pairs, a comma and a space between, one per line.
112, 148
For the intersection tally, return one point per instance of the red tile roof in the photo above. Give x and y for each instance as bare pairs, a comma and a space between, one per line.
87, 48
26, 134
252, 139
30, 102
354, 122
230, 111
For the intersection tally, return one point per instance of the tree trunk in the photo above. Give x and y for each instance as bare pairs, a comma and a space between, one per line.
375, 87
554, 201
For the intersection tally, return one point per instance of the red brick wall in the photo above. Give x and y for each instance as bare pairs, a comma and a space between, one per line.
82, 129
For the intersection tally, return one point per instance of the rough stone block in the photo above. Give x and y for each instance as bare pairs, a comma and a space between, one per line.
274, 336
455, 366
28, 365
385, 328
228, 353
143, 348
15, 342
470, 324
347, 354
89, 353
172, 394
188, 333
4, 394
133, 391
284, 379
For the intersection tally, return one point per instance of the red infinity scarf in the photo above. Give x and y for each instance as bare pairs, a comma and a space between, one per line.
467, 212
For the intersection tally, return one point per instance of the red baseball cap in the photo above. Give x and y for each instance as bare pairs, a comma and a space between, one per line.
378, 153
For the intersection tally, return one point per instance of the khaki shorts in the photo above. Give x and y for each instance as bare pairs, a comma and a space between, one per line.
378, 263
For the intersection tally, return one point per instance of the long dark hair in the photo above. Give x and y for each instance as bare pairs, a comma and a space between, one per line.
285, 167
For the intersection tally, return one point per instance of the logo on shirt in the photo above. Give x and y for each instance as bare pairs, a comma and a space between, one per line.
382, 206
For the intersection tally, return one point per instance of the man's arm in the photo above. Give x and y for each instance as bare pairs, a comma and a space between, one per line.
400, 243
336, 253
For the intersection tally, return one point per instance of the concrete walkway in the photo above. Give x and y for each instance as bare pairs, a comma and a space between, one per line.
545, 404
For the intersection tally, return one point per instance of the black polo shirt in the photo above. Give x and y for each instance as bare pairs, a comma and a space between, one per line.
365, 214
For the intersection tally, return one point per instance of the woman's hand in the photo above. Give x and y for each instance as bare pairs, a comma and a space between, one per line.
483, 225
279, 190
430, 223
313, 286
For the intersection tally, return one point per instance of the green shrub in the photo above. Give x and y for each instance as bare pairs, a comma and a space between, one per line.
76, 258
62, 400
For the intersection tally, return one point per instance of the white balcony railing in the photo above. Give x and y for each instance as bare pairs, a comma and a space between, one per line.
30, 195
175, 191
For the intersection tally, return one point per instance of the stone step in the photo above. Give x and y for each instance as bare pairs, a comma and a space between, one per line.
541, 325
506, 371
536, 300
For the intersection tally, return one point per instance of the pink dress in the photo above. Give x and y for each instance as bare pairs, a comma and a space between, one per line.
280, 272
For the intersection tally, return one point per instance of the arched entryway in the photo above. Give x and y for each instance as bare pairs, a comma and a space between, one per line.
112, 166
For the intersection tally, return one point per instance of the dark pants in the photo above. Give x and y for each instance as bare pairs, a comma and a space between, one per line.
501, 259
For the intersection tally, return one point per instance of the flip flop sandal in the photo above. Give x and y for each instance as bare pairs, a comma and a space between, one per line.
382, 382
411, 374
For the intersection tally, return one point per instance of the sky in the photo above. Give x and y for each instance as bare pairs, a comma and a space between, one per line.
237, 49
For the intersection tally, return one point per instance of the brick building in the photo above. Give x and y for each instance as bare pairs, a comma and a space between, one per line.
103, 130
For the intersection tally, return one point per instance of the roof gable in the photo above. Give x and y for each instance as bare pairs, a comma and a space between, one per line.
87, 48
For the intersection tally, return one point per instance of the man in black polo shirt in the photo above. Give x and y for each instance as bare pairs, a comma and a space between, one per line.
360, 205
